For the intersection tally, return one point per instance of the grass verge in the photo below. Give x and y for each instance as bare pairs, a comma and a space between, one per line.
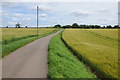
63, 64
12, 46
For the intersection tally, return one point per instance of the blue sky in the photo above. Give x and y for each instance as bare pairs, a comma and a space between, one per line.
64, 13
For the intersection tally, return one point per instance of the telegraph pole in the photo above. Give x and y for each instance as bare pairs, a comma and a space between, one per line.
37, 19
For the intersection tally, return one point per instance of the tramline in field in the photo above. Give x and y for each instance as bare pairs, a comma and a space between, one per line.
99, 48
14, 33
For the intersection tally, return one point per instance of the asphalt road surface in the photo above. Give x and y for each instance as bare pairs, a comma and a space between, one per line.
29, 61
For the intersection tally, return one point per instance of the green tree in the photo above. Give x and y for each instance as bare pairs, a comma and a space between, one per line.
17, 25
67, 26
97, 26
75, 25
103, 27
116, 26
109, 26
6, 26
57, 26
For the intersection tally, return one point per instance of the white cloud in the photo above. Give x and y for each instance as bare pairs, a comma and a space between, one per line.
60, 1
19, 16
14, 14
52, 20
14, 19
43, 15
41, 8
107, 21
45, 7
8, 23
24, 19
81, 13
9, 4
103, 10
27, 19
11, 23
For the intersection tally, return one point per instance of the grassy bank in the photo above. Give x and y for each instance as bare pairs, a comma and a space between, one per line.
63, 64
13, 45
97, 48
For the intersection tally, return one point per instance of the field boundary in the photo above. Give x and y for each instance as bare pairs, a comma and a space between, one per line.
15, 39
99, 73
56, 44
24, 41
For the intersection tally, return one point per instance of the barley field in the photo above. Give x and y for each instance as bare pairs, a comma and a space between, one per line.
98, 47
14, 38
15, 33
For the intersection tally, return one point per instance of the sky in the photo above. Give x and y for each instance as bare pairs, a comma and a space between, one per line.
64, 13
60, 0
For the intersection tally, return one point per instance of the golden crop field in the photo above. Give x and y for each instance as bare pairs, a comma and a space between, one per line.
14, 33
98, 46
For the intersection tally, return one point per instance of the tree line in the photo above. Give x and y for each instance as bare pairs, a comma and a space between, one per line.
18, 25
75, 25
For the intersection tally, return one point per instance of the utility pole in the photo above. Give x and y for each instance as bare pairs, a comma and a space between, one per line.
37, 19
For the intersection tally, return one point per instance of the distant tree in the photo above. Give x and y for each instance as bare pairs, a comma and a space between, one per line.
75, 25
57, 26
82, 26
97, 26
17, 25
66, 26
92, 26
103, 27
109, 26
6, 26
88, 26
26, 27
116, 26
85, 26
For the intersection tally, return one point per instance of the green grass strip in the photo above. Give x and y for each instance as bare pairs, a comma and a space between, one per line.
63, 64
12, 46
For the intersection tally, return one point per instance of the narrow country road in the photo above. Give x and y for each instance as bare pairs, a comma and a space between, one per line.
29, 61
